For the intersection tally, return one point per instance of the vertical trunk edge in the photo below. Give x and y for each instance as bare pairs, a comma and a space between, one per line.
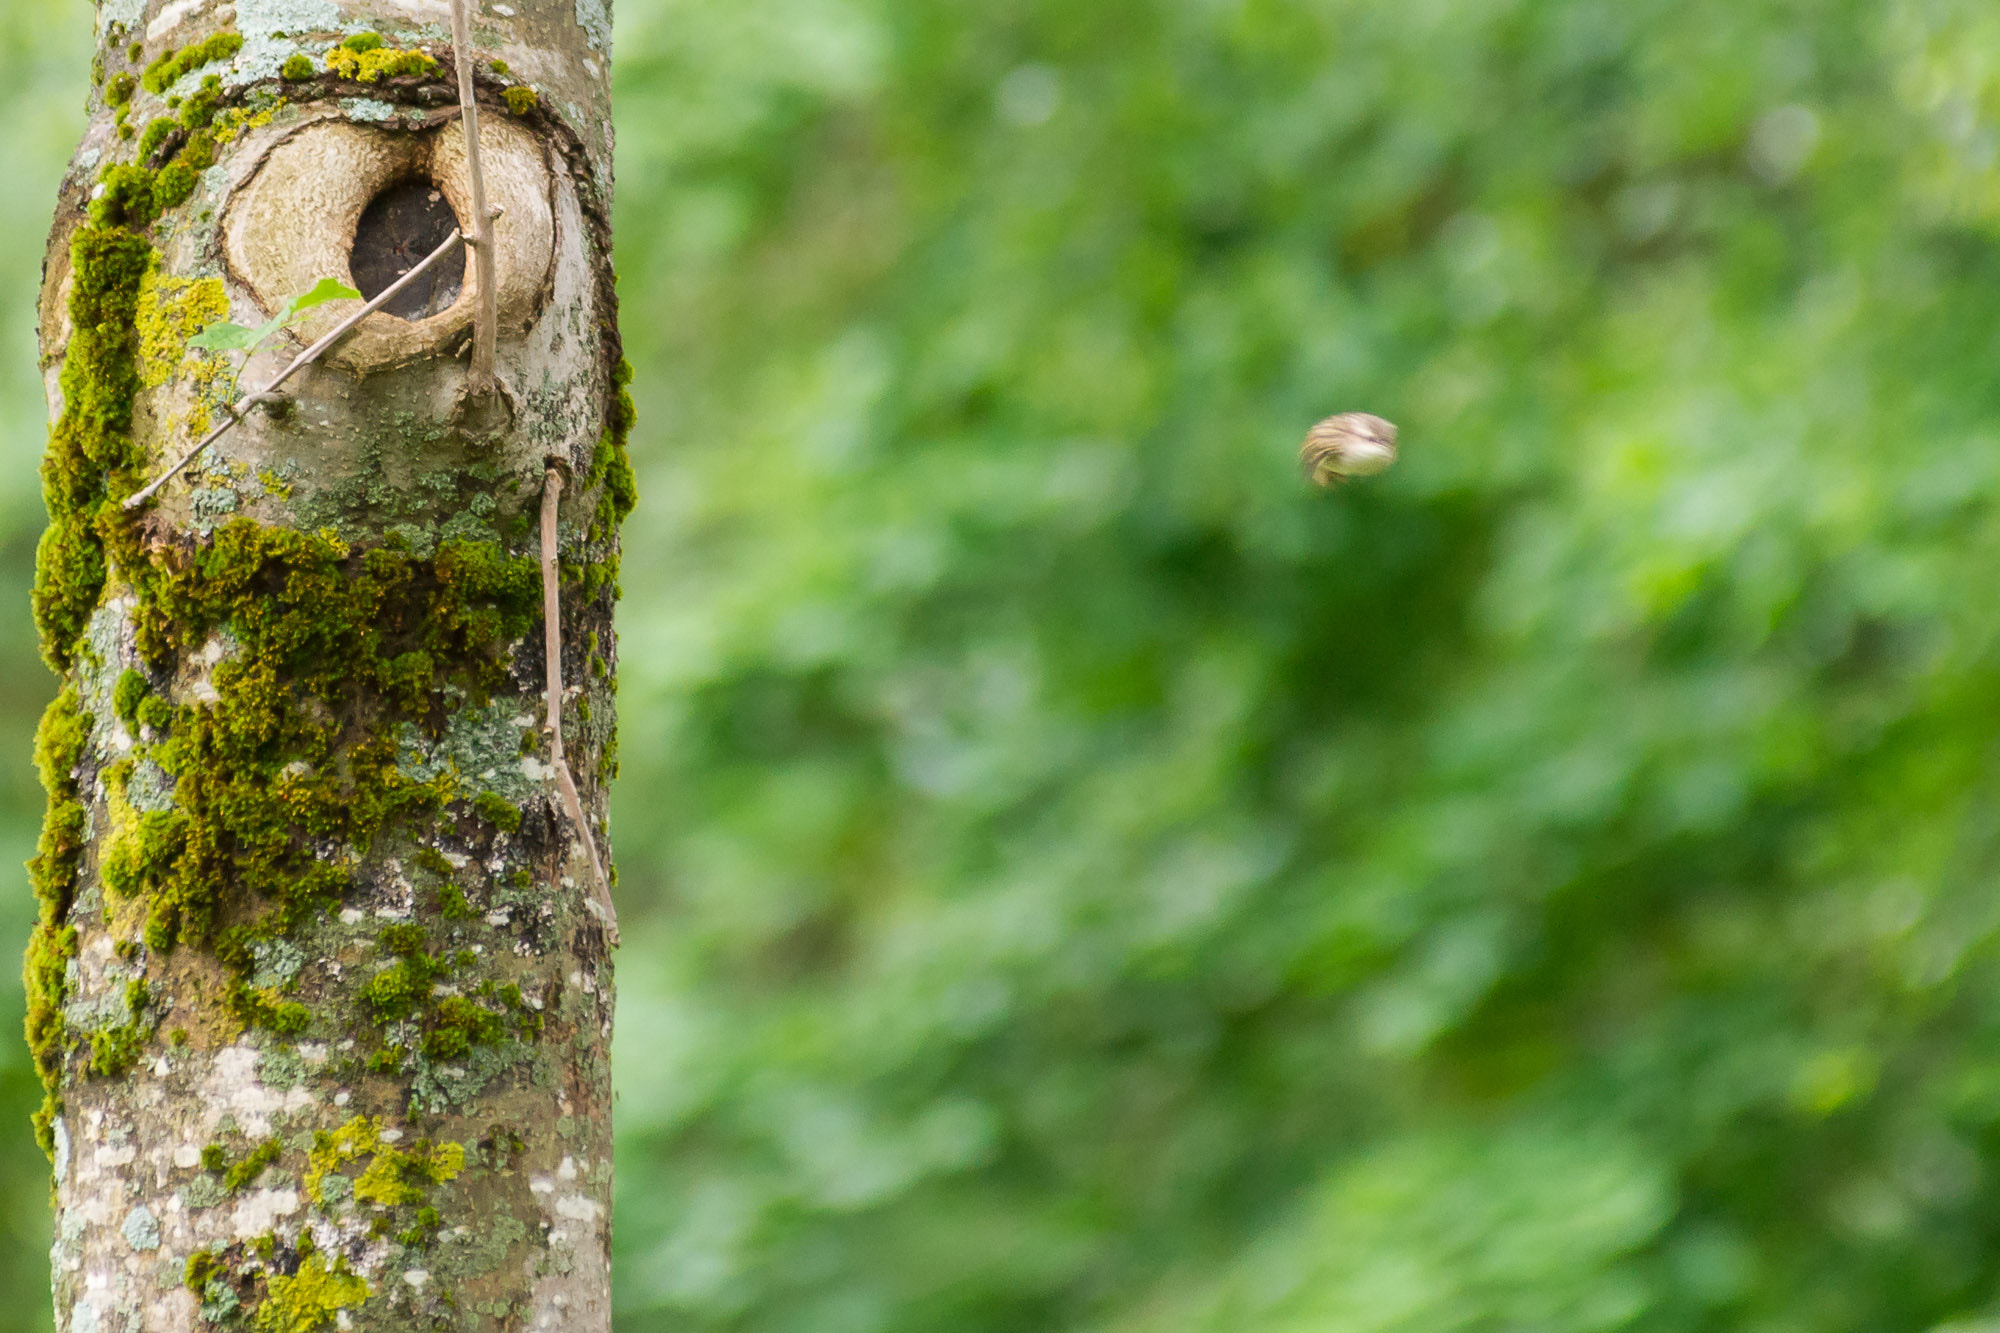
318, 994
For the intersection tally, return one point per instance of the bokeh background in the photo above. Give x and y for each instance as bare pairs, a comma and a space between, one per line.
1080, 878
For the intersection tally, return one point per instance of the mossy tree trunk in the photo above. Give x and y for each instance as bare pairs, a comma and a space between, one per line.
320, 994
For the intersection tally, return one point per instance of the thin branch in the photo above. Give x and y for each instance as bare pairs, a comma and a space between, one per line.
552, 632
234, 414
486, 311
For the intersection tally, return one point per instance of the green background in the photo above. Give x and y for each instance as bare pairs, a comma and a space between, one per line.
1078, 877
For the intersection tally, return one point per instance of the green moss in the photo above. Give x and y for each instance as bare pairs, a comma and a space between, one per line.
175, 185
245, 1172
499, 67
324, 632
311, 1299
453, 905
298, 67
155, 713
397, 992
215, 1158
363, 42
61, 744
125, 698
119, 90
198, 112
157, 133
114, 1050
202, 1268
199, 150
497, 811
458, 1025
521, 100
126, 198
168, 68
91, 444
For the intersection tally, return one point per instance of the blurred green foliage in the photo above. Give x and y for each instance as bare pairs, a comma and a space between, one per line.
1078, 877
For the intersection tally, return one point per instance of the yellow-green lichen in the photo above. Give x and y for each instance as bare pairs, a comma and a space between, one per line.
394, 1177
311, 1299
364, 58
172, 310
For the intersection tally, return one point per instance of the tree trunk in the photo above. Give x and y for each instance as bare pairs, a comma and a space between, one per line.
320, 991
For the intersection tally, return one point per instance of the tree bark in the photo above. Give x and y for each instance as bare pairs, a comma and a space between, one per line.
320, 992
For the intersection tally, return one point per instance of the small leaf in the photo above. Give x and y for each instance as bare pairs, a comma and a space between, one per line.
226, 337
327, 289
222, 336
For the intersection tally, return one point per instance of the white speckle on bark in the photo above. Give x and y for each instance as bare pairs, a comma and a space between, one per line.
259, 1212
233, 1086
579, 1208
172, 17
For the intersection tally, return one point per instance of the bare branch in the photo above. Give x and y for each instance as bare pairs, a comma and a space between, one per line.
552, 631
234, 414
486, 310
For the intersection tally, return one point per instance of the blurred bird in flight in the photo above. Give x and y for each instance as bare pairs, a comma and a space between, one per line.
1353, 444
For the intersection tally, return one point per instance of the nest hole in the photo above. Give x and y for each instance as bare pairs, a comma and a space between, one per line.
399, 227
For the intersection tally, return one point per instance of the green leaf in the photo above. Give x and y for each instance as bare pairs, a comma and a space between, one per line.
327, 289
223, 336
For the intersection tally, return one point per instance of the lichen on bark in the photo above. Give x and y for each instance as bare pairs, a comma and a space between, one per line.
319, 1000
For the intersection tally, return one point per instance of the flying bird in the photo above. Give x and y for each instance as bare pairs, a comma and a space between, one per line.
1353, 444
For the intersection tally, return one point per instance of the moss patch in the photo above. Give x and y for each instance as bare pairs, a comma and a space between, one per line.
62, 743
336, 647
168, 68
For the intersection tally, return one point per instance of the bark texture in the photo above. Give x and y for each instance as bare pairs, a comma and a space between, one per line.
319, 993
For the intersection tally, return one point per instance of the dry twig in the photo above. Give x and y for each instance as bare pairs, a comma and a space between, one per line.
552, 628
234, 413
486, 313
